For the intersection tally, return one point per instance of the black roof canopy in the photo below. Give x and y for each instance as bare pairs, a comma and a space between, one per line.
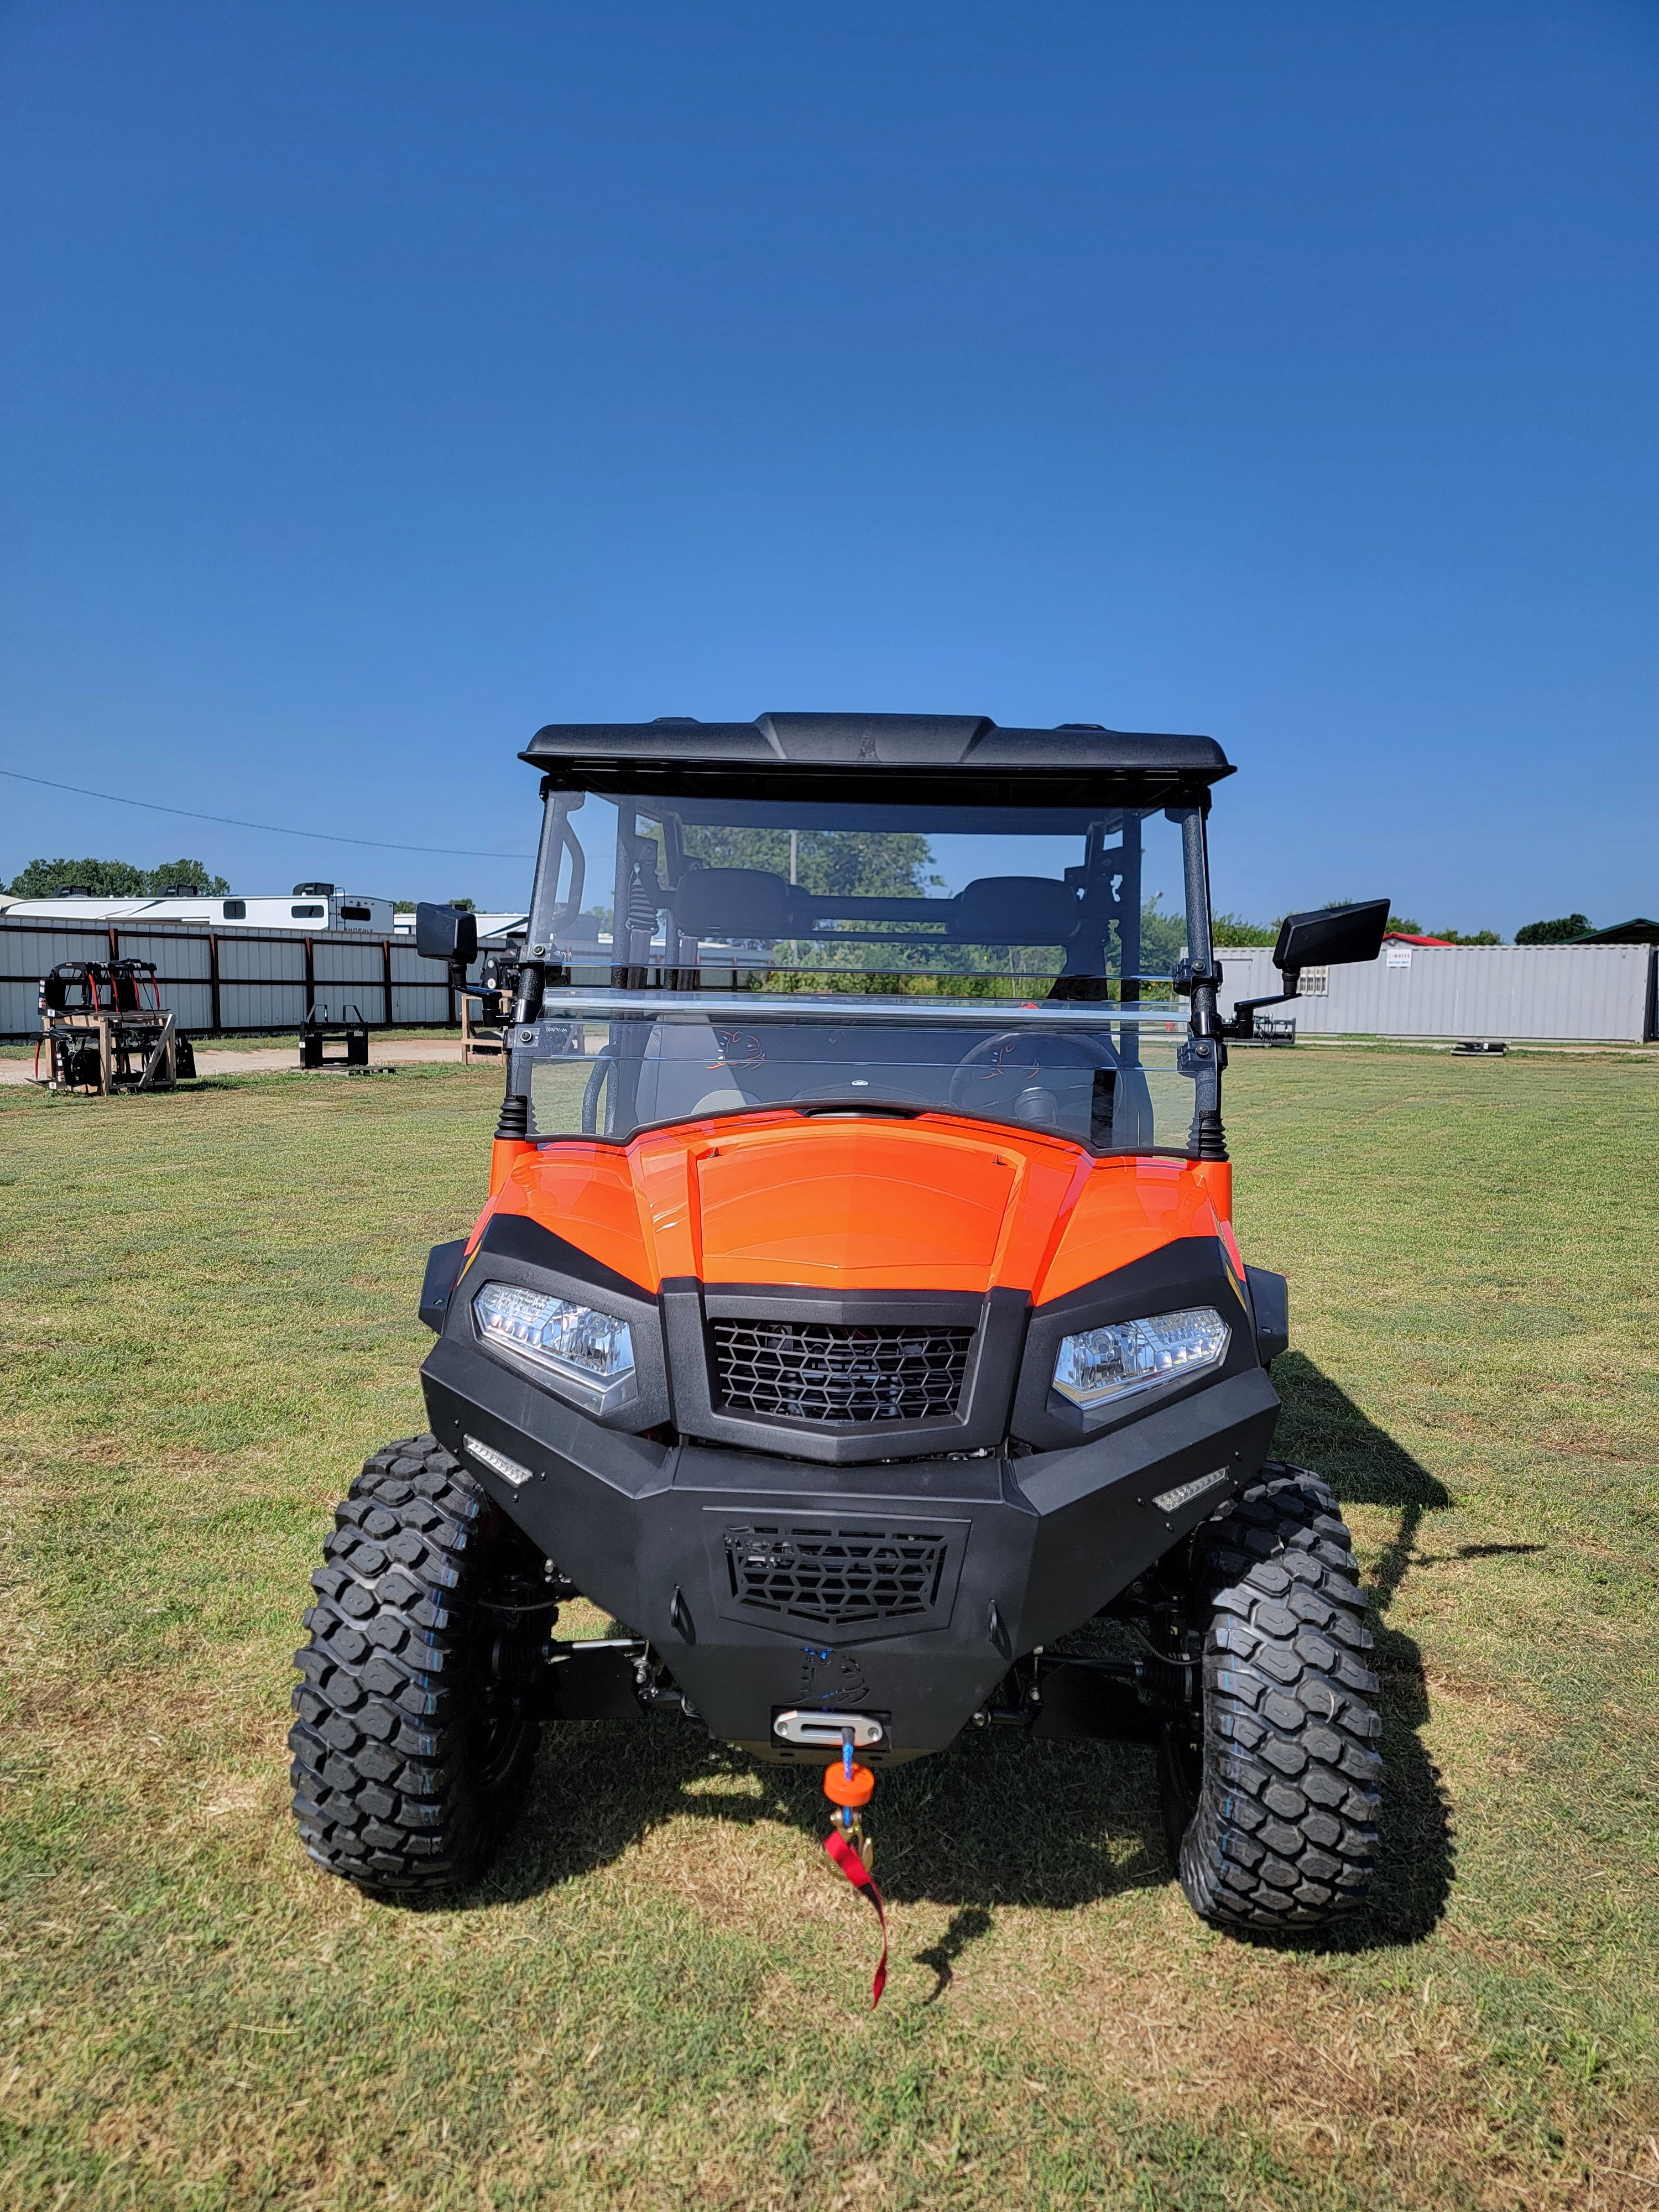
899, 758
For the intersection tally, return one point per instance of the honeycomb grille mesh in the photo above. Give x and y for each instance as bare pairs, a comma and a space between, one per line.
834, 1578
838, 1372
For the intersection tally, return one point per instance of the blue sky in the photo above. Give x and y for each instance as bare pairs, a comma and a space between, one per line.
379, 382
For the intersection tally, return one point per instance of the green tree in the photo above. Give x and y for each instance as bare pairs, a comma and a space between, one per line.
1474, 937
834, 863
1162, 937
103, 879
190, 876
1233, 929
113, 878
1562, 931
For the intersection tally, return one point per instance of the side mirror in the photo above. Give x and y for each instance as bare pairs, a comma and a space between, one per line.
446, 933
1332, 938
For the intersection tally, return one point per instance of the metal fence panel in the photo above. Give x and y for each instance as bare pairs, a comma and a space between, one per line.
334, 962
408, 967
261, 1005
29, 948
266, 979
417, 1006
191, 1005
177, 955
1589, 994
261, 959
20, 1007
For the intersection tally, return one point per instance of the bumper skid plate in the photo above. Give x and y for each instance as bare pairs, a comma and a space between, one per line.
770, 1586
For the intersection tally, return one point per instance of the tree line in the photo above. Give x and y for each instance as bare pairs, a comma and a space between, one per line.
854, 863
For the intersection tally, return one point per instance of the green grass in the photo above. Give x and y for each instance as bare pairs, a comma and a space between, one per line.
658, 1998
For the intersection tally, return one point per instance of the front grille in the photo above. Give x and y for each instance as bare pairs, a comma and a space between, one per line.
834, 1576
838, 1372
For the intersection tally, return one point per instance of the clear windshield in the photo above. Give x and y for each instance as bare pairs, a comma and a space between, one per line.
712, 957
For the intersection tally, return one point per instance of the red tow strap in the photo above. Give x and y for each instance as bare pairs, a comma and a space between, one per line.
847, 1858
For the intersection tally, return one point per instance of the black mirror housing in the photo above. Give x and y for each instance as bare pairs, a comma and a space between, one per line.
446, 933
1333, 937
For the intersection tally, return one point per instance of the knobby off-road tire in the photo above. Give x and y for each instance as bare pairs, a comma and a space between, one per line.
1276, 1813
410, 1755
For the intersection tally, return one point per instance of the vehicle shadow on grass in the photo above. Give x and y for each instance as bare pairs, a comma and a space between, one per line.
997, 1820
1003, 1820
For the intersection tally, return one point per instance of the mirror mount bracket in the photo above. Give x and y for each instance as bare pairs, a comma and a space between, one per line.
1243, 1024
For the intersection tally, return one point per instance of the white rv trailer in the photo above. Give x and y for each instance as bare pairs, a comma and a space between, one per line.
312, 906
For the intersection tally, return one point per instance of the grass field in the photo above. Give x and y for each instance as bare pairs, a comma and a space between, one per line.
658, 1998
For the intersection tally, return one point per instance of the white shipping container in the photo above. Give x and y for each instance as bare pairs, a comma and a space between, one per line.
1498, 993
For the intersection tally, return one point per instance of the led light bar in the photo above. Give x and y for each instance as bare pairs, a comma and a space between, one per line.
498, 1462
1169, 1501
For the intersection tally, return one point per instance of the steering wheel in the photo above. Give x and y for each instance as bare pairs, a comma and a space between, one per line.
1100, 1055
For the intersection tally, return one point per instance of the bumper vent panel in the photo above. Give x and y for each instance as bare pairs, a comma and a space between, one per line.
840, 1373
836, 1577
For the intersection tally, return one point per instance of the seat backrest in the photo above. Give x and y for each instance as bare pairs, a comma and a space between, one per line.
1016, 910
736, 902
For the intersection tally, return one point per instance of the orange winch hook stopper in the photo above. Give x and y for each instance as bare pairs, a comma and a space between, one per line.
851, 1785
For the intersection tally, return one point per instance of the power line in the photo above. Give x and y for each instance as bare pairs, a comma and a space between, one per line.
271, 829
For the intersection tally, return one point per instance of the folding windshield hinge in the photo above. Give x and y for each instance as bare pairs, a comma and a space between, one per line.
1195, 1053
1188, 977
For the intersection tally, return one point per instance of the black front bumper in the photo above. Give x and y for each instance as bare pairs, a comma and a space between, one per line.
1004, 1553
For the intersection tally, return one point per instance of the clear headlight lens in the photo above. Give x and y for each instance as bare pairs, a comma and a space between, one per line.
589, 1354
1105, 1366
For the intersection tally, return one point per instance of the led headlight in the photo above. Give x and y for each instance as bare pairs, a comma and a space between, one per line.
588, 1355
1104, 1366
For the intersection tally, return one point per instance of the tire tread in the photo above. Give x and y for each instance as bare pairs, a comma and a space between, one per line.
383, 1793
1283, 1835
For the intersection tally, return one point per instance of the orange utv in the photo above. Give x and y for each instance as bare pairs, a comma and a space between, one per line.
856, 1316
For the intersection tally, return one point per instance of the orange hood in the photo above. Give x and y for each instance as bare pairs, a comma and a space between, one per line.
939, 1203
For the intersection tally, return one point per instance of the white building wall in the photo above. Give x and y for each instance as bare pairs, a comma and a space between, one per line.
1601, 994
